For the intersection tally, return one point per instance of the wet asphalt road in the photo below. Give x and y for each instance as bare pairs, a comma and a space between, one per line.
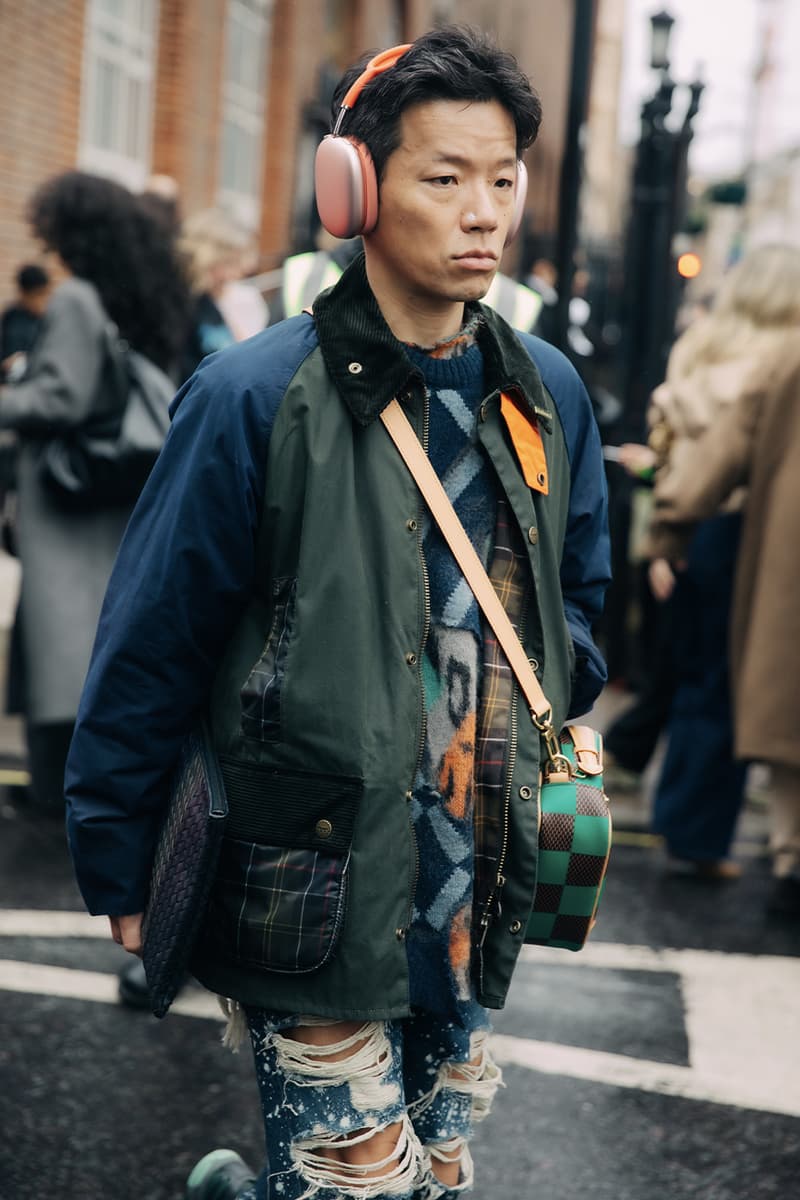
662, 1062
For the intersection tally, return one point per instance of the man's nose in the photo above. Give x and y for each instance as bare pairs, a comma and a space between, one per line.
480, 209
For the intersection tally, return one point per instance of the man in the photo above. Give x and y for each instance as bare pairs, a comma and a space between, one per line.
542, 280
282, 573
22, 320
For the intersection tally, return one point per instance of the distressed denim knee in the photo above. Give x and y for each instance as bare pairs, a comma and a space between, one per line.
337, 1118
460, 1093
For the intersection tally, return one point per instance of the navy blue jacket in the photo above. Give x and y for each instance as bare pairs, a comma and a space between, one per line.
186, 567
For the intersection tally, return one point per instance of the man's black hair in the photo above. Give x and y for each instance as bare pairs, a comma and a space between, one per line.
453, 63
31, 278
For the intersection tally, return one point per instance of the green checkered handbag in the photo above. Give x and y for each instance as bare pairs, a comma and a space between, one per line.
575, 819
574, 842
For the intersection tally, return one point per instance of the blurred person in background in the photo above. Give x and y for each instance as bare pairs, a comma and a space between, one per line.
307, 274
19, 328
241, 303
756, 444
631, 739
22, 320
542, 279
214, 248
721, 359
118, 266
162, 198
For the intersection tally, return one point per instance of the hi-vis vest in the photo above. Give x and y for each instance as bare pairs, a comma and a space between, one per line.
306, 275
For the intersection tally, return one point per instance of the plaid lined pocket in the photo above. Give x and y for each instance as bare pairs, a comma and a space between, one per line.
281, 909
280, 892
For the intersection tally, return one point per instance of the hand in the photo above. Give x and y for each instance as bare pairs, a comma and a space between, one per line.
662, 579
13, 367
127, 932
636, 459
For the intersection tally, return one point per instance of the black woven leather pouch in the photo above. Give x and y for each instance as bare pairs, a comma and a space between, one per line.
183, 869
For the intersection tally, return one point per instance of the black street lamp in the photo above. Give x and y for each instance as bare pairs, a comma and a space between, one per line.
658, 209
660, 29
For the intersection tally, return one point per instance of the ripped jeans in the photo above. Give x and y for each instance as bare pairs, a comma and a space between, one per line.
415, 1085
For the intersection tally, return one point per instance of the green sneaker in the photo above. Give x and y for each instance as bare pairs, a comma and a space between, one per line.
220, 1175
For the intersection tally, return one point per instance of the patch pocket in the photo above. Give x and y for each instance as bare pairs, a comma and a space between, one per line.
261, 695
280, 893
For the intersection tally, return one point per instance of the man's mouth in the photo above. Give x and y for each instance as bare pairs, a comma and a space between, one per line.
477, 260
486, 255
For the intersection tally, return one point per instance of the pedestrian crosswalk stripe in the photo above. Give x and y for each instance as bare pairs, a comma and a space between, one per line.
40, 922
38, 979
742, 1053
739, 1089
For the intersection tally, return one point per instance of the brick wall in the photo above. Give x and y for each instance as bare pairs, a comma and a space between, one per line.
296, 50
41, 51
41, 47
188, 99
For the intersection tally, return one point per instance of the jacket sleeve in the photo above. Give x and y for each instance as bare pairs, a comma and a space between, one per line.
65, 368
181, 578
586, 556
586, 559
710, 469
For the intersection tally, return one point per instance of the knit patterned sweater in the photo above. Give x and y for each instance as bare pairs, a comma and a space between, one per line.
442, 809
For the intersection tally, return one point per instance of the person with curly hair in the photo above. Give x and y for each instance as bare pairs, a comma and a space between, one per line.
118, 266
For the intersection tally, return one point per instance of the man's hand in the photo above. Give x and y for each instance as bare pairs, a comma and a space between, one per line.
662, 578
637, 460
127, 932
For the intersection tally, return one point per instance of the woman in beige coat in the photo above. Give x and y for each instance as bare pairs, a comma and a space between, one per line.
756, 443
723, 360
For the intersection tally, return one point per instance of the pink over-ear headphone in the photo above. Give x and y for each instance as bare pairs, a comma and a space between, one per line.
344, 173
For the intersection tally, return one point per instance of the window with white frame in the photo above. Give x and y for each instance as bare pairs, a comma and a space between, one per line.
118, 77
244, 108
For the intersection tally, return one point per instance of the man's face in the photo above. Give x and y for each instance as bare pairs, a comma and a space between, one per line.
35, 301
446, 201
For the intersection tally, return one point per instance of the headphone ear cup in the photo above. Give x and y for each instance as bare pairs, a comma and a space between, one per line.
346, 187
520, 192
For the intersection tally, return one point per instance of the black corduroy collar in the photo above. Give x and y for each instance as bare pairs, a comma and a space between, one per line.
369, 366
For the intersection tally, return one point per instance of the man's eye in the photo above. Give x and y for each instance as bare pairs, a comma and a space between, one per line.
504, 183
444, 180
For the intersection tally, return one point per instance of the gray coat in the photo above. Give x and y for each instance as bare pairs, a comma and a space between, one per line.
66, 557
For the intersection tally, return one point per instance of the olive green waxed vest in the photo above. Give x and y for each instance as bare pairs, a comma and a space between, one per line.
317, 708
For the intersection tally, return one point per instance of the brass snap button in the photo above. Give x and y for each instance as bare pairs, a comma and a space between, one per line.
533, 532
540, 479
355, 368
515, 927
411, 524
525, 792
411, 658
400, 934
323, 829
